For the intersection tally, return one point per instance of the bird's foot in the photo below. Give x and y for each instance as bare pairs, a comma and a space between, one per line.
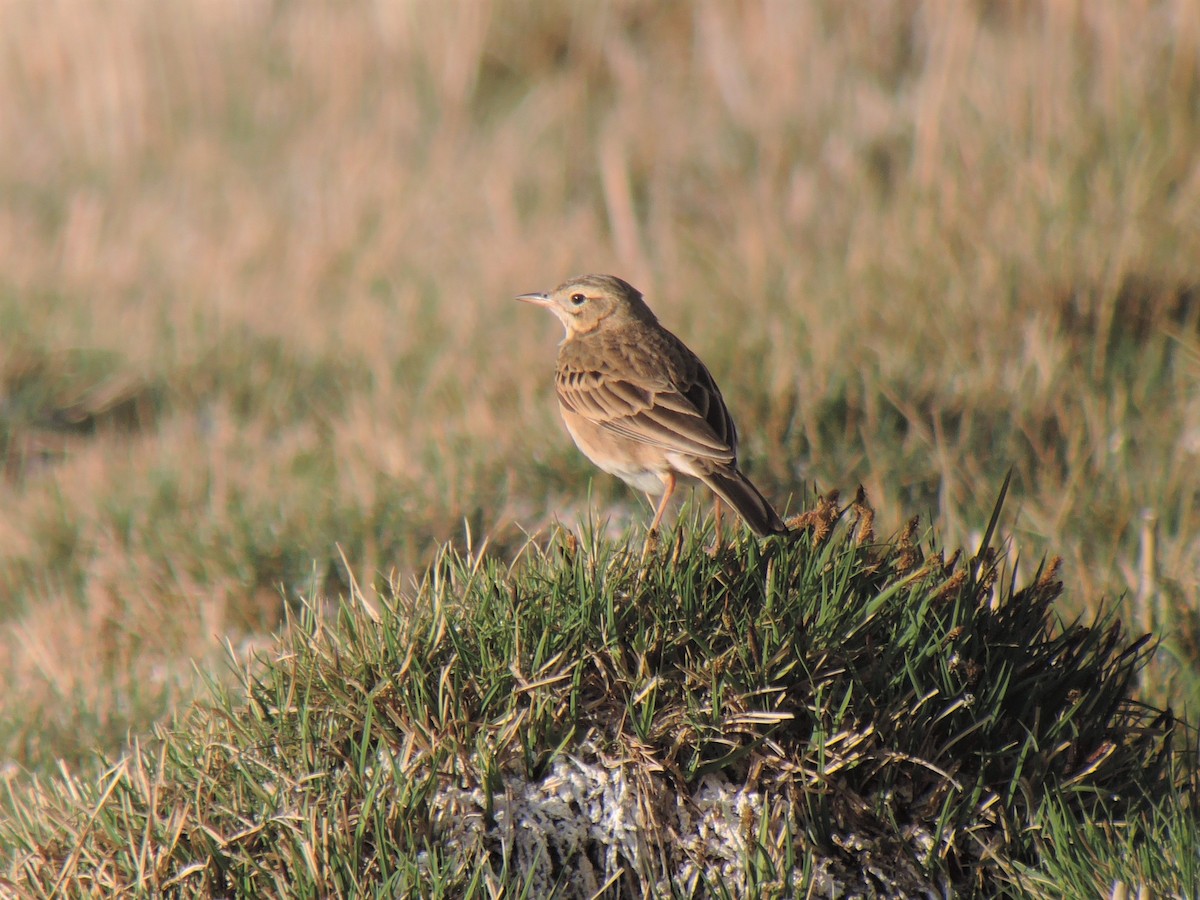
651, 545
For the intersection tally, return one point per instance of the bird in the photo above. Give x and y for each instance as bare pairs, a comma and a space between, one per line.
641, 405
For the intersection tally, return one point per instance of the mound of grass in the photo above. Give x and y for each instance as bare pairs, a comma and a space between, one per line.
827, 713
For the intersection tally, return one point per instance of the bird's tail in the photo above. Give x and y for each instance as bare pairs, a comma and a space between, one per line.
736, 489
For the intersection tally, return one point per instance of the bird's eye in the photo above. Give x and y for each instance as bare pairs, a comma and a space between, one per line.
578, 299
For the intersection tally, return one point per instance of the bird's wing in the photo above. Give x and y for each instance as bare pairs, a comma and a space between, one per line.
678, 411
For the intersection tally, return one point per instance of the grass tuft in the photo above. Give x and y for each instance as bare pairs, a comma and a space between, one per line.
785, 715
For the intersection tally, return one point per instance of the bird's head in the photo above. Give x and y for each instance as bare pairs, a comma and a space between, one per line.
584, 302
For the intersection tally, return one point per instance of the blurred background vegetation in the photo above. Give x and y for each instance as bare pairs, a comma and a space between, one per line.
257, 261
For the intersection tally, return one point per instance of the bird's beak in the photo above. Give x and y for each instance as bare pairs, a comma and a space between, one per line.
539, 299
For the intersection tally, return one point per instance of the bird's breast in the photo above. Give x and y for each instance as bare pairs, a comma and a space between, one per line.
639, 465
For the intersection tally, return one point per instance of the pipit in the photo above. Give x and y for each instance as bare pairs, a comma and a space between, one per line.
641, 405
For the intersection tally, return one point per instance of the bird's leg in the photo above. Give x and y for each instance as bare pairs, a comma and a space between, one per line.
668, 480
717, 508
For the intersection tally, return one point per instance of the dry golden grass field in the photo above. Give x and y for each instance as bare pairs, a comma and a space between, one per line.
257, 262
